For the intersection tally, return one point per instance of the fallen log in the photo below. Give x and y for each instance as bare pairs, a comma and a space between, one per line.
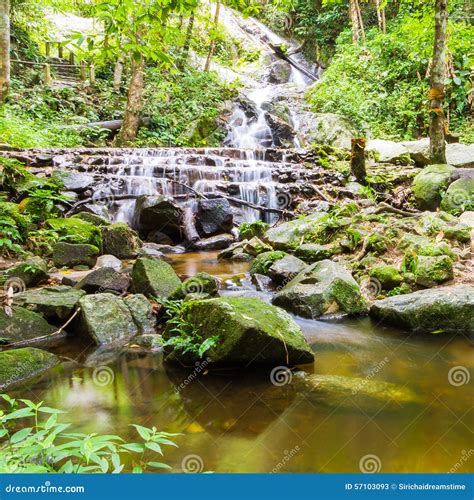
189, 229
111, 125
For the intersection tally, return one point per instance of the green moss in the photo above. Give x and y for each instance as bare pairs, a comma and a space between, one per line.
430, 184
154, 278
92, 218
32, 271
430, 271
73, 254
120, 240
459, 197
263, 262
388, 276
248, 230
200, 283
76, 231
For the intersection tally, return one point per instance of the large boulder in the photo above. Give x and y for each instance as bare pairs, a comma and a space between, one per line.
324, 128
314, 252
105, 318
74, 181
324, 288
104, 279
23, 325
200, 283
30, 272
460, 155
213, 217
288, 235
447, 309
19, 365
432, 270
218, 242
389, 151
419, 151
54, 302
279, 71
120, 241
159, 213
73, 254
284, 270
264, 261
142, 313
429, 185
244, 331
154, 278
459, 196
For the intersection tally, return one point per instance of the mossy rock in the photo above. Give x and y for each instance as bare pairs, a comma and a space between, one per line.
142, 313
284, 270
201, 283
389, 277
120, 241
429, 270
459, 196
20, 365
105, 318
288, 236
419, 245
31, 272
314, 252
77, 231
154, 278
433, 224
23, 325
429, 185
74, 254
104, 279
263, 262
448, 309
248, 330
249, 230
95, 219
255, 247
54, 302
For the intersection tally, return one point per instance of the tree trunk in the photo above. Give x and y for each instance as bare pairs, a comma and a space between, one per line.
358, 160
213, 41
118, 71
189, 32
380, 16
356, 21
4, 49
436, 94
131, 119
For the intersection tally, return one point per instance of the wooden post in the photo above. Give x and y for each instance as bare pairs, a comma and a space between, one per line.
60, 50
83, 71
47, 75
48, 49
92, 74
71, 57
358, 159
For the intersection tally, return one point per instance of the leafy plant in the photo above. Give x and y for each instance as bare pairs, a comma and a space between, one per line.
33, 441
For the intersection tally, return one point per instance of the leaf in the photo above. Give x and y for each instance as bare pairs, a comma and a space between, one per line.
144, 432
22, 413
155, 447
135, 447
158, 465
20, 435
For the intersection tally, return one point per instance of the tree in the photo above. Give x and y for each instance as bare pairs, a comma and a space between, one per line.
4, 49
213, 40
436, 94
356, 19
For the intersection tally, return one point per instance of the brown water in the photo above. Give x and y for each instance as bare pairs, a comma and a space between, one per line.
243, 423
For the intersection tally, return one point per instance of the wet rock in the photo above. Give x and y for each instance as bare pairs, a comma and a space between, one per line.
288, 235
429, 184
262, 283
200, 283
54, 302
23, 325
154, 278
31, 272
20, 365
71, 254
284, 270
159, 213
447, 309
264, 261
159, 238
104, 279
389, 277
389, 151
460, 155
459, 196
217, 242
97, 210
149, 341
74, 181
420, 245
214, 216
279, 72
169, 248
313, 252
109, 261
235, 252
142, 313
248, 331
324, 288
431, 271
255, 247
120, 241
105, 318
282, 133
151, 250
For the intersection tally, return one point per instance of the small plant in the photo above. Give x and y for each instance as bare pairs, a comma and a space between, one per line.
33, 441
248, 230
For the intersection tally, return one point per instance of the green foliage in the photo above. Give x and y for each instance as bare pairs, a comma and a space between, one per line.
13, 229
76, 231
248, 230
34, 441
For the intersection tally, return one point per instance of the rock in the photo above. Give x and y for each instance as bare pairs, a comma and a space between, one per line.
213, 217
218, 242
154, 278
142, 313
419, 245
248, 331
359, 394
23, 325
389, 151
74, 181
313, 252
459, 196
120, 241
419, 151
159, 213
263, 262
109, 261
431, 271
434, 223
467, 218
279, 72
77, 231
447, 309
19, 365
283, 134
324, 288
149, 341
151, 250
255, 247
97, 220
262, 283
73, 254
288, 235
284, 270
31, 272
324, 128
105, 318
460, 155
248, 230
200, 283
169, 248
389, 277
54, 302
159, 238
97, 210
104, 279
429, 184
